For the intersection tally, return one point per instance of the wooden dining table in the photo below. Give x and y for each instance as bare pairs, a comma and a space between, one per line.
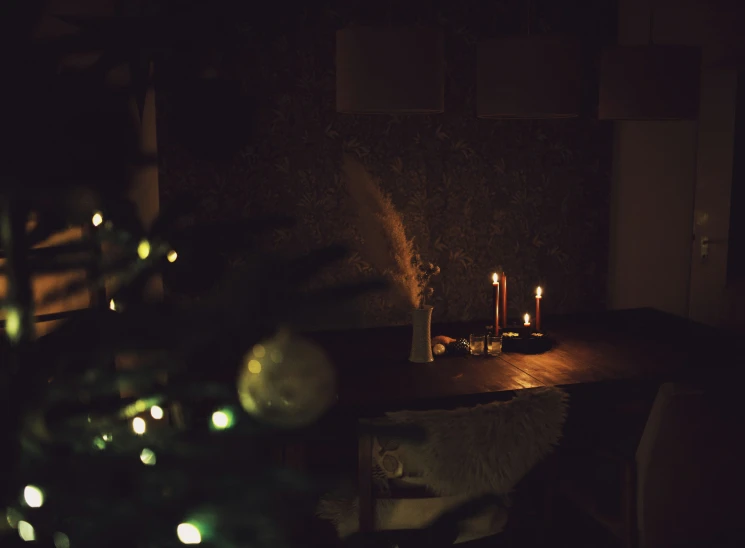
590, 351
374, 374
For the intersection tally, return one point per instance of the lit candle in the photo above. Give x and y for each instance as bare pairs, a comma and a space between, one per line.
495, 294
504, 299
538, 295
526, 318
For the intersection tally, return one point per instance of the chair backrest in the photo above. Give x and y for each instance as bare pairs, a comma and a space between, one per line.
691, 467
483, 449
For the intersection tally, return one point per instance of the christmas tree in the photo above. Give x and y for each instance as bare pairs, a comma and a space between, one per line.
139, 421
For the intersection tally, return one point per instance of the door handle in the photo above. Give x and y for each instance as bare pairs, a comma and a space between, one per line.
706, 242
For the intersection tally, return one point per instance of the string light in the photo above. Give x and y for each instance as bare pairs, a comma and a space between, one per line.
13, 323
147, 456
222, 419
97, 219
172, 256
254, 366
33, 496
13, 516
26, 531
156, 412
139, 426
112, 305
61, 540
143, 249
138, 407
259, 351
188, 533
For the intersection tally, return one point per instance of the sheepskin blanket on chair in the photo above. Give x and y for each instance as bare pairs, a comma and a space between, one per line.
467, 452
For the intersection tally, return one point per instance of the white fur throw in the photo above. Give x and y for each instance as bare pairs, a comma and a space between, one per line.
467, 452
483, 449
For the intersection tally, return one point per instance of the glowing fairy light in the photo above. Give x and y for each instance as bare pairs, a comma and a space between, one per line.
97, 219
33, 496
26, 531
112, 305
172, 256
222, 419
61, 540
147, 456
259, 351
13, 324
254, 366
13, 516
143, 249
156, 412
188, 533
139, 426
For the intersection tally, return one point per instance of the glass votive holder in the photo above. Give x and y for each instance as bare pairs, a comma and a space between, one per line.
477, 345
494, 345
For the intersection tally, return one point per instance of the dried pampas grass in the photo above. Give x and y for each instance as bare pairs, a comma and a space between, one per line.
385, 244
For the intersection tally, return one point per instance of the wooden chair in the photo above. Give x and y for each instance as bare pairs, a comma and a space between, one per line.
416, 488
410, 505
681, 484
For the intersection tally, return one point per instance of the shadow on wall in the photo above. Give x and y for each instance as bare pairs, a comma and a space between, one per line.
528, 196
736, 299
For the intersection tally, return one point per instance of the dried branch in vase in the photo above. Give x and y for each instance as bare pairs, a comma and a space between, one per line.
385, 244
424, 275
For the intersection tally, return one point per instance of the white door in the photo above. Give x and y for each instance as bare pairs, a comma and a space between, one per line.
672, 180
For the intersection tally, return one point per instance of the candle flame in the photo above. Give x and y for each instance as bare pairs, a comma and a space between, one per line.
527, 319
495, 278
538, 291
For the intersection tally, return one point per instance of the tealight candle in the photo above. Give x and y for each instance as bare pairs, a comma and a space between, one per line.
526, 319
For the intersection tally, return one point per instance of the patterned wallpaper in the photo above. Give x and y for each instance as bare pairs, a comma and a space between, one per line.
529, 196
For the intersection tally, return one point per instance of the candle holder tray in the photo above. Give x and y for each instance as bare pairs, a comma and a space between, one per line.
522, 341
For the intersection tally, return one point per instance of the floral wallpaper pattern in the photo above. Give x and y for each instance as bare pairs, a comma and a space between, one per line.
530, 197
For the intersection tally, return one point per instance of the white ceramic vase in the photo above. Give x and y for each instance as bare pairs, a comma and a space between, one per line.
421, 336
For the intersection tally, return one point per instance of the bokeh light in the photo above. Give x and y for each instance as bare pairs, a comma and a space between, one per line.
222, 419
254, 366
33, 496
172, 256
13, 323
143, 249
156, 412
147, 456
188, 533
61, 540
139, 426
26, 531
97, 219
259, 351
13, 516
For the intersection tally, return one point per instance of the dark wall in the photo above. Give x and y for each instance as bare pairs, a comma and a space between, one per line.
530, 196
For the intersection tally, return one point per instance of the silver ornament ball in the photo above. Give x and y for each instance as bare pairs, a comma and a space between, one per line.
286, 381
